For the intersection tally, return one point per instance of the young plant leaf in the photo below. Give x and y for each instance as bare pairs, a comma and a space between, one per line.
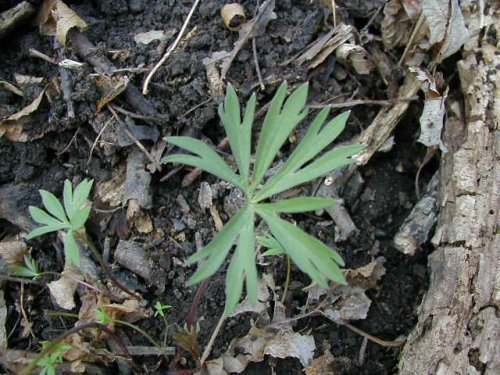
71, 249
80, 196
277, 126
296, 205
53, 206
46, 229
204, 158
41, 217
217, 250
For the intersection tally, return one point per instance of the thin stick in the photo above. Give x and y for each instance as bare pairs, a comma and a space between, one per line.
170, 49
256, 62
133, 138
353, 103
210, 344
287, 281
97, 139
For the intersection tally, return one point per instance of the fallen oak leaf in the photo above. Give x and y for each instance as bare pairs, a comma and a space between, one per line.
56, 18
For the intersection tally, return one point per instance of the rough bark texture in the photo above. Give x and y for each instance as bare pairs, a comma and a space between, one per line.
458, 330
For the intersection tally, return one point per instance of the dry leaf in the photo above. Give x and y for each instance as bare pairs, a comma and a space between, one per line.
56, 18
254, 27
12, 126
321, 365
16, 361
11, 87
24, 80
447, 26
110, 88
399, 18
347, 302
112, 190
276, 339
63, 290
356, 56
432, 118
13, 252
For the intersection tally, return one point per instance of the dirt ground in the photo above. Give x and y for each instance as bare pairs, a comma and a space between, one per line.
59, 147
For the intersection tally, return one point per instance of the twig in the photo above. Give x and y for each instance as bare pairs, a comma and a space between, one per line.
257, 67
417, 27
133, 138
210, 344
97, 139
170, 49
376, 340
353, 103
70, 143
34, 53
13, 16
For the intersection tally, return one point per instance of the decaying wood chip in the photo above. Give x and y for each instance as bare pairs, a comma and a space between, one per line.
12, 17
416, 229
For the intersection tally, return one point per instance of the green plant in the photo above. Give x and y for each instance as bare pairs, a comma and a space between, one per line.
312, 256
160, 310
71, 217
52, 358
30, 269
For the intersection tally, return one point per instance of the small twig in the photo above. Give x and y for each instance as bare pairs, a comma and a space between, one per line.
97, 139
133, 138
23, 312
170, 49
195, 107
287, 281
257, 66
33, 52
376, 340
417, 27
353, 103
334, 14
210, 344
53, 344
70, 143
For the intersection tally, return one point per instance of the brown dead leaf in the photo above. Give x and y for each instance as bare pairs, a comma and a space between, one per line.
254, 27
321, 365
399, 18
56, 18
276, 339
110, 88
355, 56
16, 361
13, 252
112, 190
63, 290
342, 303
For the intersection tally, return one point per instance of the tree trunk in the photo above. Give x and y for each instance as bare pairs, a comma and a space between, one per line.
458, 329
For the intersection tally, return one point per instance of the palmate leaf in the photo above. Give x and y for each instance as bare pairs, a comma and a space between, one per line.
311, 255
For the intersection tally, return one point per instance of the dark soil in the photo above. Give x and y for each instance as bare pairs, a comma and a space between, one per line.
61, 147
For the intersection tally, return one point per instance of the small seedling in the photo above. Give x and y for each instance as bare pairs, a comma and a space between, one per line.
30, 268
312, 256
160, 310
52, 358
71, 217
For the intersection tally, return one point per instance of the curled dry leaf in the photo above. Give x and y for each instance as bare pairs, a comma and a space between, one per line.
110, 88
276, 339
432, 118
150, 36
56, 18
321, 365
356, 56
63, 290
233, 16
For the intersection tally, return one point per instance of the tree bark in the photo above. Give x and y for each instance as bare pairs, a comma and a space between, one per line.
458, 329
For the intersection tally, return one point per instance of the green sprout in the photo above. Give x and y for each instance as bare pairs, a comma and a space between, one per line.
52, 358
160, 310
311, 255
30, 269
71, 217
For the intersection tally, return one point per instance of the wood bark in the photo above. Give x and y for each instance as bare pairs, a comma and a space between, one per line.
458, 329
